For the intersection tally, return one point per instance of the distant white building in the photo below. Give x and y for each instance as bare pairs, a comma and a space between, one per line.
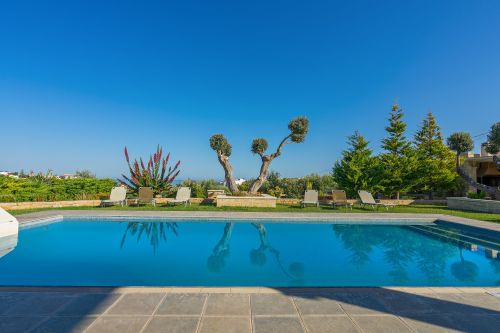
240, 181
68, 176
9, 174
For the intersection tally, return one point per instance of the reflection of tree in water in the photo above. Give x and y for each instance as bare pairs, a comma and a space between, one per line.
464, 270
359, 242
156, 232
258, 256
398, 254
399, 248
216, 261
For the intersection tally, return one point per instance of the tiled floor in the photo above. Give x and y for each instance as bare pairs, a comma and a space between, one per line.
265, 311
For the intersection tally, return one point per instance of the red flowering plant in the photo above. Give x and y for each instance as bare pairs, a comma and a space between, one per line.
154, 175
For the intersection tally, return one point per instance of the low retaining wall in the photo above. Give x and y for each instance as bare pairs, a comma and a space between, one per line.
475, 205
256, 201
96, 203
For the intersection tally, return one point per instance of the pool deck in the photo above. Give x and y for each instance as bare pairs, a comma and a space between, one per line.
249, 310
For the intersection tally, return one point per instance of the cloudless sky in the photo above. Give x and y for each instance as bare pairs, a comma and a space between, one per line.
79, 80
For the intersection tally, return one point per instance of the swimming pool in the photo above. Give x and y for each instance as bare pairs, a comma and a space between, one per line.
88, 252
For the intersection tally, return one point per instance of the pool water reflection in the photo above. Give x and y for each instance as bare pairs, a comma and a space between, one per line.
169, 253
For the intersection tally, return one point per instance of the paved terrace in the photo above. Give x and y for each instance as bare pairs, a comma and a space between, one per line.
250, 310
246, 310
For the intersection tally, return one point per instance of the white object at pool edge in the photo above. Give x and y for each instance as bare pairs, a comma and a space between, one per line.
8, 224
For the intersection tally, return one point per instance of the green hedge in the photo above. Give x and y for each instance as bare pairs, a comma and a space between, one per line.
54, 189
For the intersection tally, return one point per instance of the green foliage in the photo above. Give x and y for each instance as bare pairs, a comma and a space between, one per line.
399, 161
460, 142
84, 174
155, 175
435, 161
474, 195
299, 128
218, 142
199, 188
40, 188
259, 146
276, 191
493, 143
358, 169
277, 186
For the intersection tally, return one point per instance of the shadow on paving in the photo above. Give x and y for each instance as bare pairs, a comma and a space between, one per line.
72, 310
467, 312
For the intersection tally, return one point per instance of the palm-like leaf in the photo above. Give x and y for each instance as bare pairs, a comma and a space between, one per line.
154, 174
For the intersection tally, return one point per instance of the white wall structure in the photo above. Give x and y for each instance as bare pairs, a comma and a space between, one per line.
9, 228
8, 224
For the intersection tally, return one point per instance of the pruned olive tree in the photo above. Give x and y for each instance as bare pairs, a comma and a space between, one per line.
221, 146
298, 130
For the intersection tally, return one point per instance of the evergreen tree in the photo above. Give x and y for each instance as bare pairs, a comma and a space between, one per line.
435, 161
493, 144
399, 160
358, 169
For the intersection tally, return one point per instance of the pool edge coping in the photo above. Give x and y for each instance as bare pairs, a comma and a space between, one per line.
44, 217
248, 290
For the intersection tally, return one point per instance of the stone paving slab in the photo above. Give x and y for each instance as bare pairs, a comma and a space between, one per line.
286, 310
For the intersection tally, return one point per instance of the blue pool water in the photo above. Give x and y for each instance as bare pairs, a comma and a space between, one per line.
189, 253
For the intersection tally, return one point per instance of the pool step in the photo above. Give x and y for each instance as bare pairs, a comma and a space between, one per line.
456, 236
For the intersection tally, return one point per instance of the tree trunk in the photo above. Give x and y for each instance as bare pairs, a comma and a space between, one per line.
264, 171
397, 195
228, 173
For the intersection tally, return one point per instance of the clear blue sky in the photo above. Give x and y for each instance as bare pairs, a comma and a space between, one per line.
81, 79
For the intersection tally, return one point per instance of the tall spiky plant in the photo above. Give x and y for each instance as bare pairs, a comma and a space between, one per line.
155, 175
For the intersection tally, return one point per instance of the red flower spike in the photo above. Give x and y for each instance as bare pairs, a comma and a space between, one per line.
154, 175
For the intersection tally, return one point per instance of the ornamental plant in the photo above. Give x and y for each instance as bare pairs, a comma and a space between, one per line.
154, 175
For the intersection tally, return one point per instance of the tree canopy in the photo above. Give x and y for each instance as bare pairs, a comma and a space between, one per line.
436, 166
493, 143
398, 160
358, 169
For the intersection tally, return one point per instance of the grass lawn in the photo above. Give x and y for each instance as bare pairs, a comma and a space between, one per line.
418, 209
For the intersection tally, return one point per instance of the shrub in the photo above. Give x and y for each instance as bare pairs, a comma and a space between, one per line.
473, 195
199, 188
53, 189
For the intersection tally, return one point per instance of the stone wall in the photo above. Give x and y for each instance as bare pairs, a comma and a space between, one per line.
256, 201
160, 201
475, 205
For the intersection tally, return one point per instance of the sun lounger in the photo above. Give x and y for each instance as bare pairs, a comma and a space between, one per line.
310, 198
145, 196
183, 196
367, 200
339, 198
117, 196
